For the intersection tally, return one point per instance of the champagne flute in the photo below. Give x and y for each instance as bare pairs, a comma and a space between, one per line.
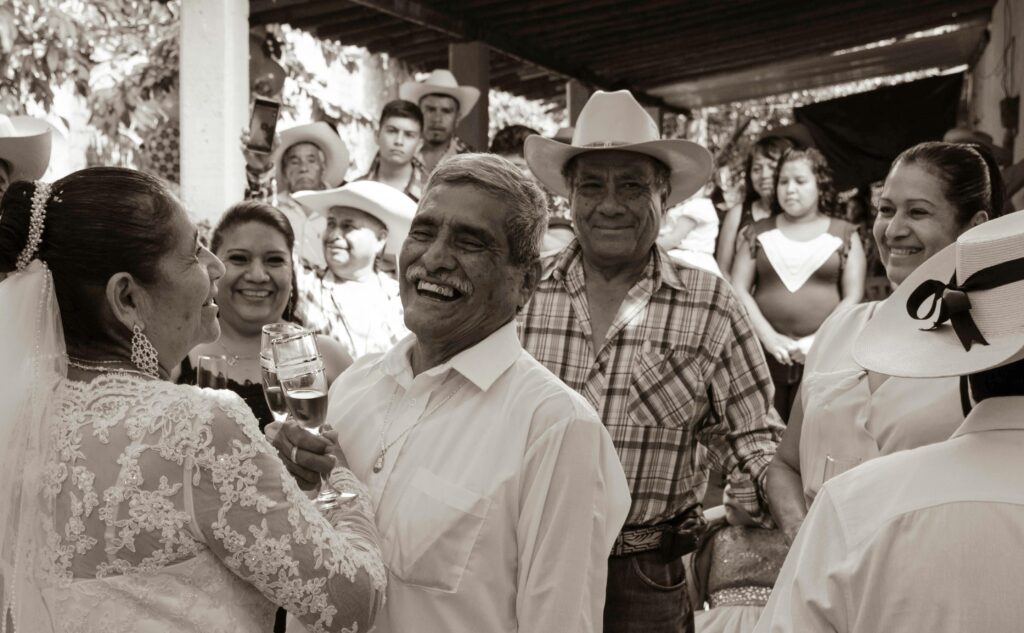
839, 465
271, 387
212, 371
300, 370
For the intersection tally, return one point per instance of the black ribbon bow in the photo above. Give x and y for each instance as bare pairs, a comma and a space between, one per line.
954, 304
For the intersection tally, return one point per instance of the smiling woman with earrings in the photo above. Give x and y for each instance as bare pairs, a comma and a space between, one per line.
127, 502
845, 415
255, 241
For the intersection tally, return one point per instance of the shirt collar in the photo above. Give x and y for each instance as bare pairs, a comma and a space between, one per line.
481, 364
659, 269
994, 414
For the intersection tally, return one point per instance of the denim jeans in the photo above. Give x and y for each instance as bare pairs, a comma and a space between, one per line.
646, 595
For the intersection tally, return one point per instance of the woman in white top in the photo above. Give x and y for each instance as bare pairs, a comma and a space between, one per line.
845, 415
129, 503
689, 233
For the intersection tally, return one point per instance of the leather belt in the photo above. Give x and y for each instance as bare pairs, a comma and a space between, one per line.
673, 540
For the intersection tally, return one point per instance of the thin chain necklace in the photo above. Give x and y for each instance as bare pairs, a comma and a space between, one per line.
232, 359
103, 366
384, 444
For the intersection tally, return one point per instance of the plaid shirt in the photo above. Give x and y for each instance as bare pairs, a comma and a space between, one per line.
413, 188
319, 310
680, 383
455, 146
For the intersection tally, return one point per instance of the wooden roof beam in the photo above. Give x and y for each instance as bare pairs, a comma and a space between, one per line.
462, 28
293, 13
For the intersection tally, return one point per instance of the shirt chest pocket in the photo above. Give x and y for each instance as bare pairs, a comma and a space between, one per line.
665, 388
430, 540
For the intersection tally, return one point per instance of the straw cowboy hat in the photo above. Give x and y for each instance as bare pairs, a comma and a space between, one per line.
615, 121
441, 82
973, 293
387, 204
25, 145
323, 136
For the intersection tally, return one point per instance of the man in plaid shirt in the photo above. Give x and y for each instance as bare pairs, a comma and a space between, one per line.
665, 353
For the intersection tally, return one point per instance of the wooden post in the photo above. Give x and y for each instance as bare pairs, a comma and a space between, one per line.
470, 62
576, 95
214, 89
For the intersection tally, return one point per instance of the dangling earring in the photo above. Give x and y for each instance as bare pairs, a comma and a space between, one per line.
143, 353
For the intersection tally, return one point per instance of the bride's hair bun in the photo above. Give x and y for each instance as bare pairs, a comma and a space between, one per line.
15, 213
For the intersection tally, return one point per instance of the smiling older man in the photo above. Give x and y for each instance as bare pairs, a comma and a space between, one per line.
497, 490
664, 352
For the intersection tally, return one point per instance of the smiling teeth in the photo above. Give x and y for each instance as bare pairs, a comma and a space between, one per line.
444, 291
903, 251
255, 294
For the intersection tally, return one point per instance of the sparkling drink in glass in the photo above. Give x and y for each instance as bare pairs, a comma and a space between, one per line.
300, 372
271, 387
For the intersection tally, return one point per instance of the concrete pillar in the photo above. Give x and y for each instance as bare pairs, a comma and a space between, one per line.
214, 104
576, 95
470, 62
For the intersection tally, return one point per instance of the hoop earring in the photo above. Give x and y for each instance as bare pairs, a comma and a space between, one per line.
143, 353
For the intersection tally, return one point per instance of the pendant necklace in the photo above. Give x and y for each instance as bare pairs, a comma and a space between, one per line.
232, 359
384, 444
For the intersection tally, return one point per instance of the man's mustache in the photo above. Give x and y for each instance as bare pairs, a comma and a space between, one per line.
418, 272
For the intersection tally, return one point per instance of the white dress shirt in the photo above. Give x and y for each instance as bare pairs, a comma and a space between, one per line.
500, 495
922, 540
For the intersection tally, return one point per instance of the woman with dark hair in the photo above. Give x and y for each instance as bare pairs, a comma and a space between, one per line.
129, 503
255, 242
759, 180
796, 267
845, 415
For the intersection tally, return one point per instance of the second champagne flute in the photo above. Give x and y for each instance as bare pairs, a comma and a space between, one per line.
271, 387
300, 370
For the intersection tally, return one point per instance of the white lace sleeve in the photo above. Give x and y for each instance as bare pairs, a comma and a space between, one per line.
327, 572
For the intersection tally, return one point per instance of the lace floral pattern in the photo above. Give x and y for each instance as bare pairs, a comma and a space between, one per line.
169, 504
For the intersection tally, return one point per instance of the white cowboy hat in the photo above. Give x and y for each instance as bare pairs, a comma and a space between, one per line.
384, 202
323, 136
441, 82
974, 289
25, 144
615, 121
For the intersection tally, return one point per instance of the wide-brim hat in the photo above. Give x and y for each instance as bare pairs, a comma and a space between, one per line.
615, 121
323, 136
25, 145
980, 310
384, 202
441, 82
977, 137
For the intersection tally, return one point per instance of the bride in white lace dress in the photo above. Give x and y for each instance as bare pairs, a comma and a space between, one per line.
128, 503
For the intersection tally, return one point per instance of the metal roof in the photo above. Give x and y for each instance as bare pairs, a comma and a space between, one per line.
673, 53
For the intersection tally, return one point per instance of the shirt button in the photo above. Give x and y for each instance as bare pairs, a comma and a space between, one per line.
412, 402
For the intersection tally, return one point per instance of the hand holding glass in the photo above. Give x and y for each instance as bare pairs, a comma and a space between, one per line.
300, 371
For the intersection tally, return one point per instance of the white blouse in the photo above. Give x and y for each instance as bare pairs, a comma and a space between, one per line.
845, 423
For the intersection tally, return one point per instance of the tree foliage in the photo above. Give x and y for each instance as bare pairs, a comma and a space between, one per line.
45, 43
